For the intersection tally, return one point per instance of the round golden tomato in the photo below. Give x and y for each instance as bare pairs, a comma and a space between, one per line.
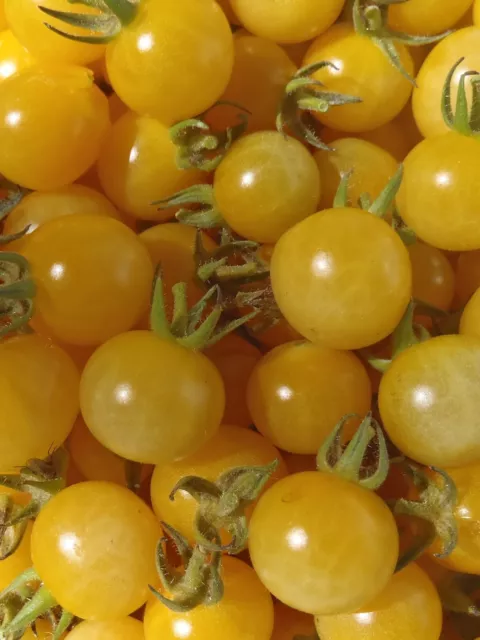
120, 629
470, 320
433, 276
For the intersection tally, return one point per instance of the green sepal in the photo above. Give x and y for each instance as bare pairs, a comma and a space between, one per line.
462, 120
17, 292
205, 216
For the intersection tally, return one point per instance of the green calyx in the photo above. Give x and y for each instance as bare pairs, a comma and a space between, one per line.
205, 216
348, 460
464, 120
102, 27
303, 96
370, 19
17, 291
222, 505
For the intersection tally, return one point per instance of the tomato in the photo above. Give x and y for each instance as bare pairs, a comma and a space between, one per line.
409, 607
469, 323
372, 167
13, 56
244, 612
433, 276
39, 399
467, 275
328, 291
121, 629
321, 544
430, 401
298, 392
93, 546
436, 198
228, 11
230, 447
149, 399
277, 334
43, 631
94, 278
426, 17
291, 21
137, 166
3, 19
54, 120
27, 23
290, 623
18, 562
362, 70
116, 107
162, 62
431, 78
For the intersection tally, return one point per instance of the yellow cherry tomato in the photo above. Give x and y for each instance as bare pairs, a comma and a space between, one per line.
94, 278
174, 60
467, 275
426, 17
408, 607
117, 107
433, 276
429, 401
13, 56
288, 22
3, 18
137, 166
328, 291
28, 24
39, 399
470, 320
18, 562
362, 70
299, 391
121, 629
245, 611
54, 121
317, 563
290, 623
93, 546
230, 447
266, 183
372, 168
228, 11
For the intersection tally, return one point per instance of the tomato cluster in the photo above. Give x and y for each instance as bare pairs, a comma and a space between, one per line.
239, 319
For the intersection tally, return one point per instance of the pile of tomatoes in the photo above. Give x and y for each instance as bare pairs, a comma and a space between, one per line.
240, 319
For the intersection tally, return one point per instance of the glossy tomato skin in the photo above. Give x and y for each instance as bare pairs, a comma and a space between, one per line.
94, 547
149, 399
55, 119
469, 322
433, 276
314, 265
436, 198
39, 398
321, 544
363, 71
28, 24
427, 17
137, 167
408, 607
290, 22
174, 60
13, 56
429, 401
230, 447
121, 629
244, 613
298, 392
94, 278
290, 623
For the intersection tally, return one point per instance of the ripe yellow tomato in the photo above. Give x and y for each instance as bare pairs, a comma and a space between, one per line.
318, 564
290, 623
429, 401
328, 291
266, 183
151, 400
121, 629
18, 562
467, 275
39, 399
3, 18
28, 24
137, 166
408, 607
426, 17
289, 22
162, 62
94, 278
298, 392
245, 611
13, 56
116, 107
433, 276
54, 121
362, 70
372, 168
93, 546
469, 322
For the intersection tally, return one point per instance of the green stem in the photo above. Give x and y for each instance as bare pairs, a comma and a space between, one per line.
39, 604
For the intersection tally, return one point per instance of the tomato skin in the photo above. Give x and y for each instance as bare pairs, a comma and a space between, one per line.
13, 56
313, 267
363, 71
94, 278
469, 322
408, 607
137, 385
18, 562
428, 390
137, 167
121, 629
265, 185
467, 275
39, 398
298, 392
94, 547
244, 613
144, 60
427, 17
290, 623
433, 276
291, 543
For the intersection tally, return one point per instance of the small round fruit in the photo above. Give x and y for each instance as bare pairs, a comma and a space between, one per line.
121, 629
426, 17
467, 275
433, 278
290, 623
13, 56
470, 320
